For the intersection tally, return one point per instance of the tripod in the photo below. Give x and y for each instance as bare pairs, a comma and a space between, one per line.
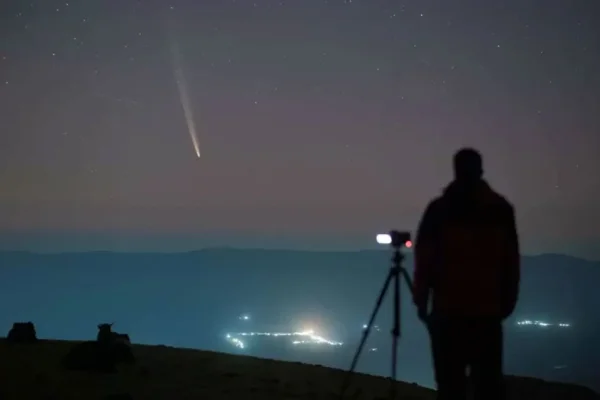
395, 274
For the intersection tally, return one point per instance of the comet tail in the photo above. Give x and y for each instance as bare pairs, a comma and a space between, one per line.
184, 96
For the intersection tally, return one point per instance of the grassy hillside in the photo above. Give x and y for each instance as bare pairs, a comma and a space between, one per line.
33, 372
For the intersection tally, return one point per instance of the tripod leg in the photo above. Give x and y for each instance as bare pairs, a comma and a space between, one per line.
395, 334
366, 333
407, 279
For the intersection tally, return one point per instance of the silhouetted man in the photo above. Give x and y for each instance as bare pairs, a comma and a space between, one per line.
467, 261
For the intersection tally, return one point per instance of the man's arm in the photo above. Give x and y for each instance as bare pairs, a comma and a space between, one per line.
425, 247
513, 266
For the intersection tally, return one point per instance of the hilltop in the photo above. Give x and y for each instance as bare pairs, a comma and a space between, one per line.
32, 372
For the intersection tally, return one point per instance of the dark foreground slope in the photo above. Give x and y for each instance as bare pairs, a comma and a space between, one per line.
33, 372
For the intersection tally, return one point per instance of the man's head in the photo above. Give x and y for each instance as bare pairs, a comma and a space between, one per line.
468, 165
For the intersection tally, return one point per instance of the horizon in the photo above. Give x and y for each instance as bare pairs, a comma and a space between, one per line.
407, 252
128, 242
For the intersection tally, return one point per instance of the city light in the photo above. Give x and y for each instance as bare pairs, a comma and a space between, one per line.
543, 324
299, 338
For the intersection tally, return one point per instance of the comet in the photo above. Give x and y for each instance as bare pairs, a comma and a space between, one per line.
182, 90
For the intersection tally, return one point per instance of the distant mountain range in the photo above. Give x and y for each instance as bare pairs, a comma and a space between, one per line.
564, 286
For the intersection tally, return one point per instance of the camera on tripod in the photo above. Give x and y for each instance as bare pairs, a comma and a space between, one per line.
395, 238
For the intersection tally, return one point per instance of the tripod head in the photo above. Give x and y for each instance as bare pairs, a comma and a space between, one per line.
397, 240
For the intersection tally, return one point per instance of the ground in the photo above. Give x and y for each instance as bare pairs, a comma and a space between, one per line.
33, 372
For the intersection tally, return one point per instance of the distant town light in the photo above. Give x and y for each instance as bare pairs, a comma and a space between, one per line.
542, 324
306, 337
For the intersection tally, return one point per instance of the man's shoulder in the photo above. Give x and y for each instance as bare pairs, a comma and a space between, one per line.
501, 201
435, 205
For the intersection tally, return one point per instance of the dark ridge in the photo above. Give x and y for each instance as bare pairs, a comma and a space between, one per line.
33, 371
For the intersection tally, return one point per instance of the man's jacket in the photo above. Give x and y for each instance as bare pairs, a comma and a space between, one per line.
467, 254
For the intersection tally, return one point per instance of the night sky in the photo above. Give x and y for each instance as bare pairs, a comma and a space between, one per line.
318, 121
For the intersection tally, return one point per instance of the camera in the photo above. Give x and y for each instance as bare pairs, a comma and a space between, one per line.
395, 238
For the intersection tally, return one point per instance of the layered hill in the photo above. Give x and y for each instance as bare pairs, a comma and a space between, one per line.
32, 371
